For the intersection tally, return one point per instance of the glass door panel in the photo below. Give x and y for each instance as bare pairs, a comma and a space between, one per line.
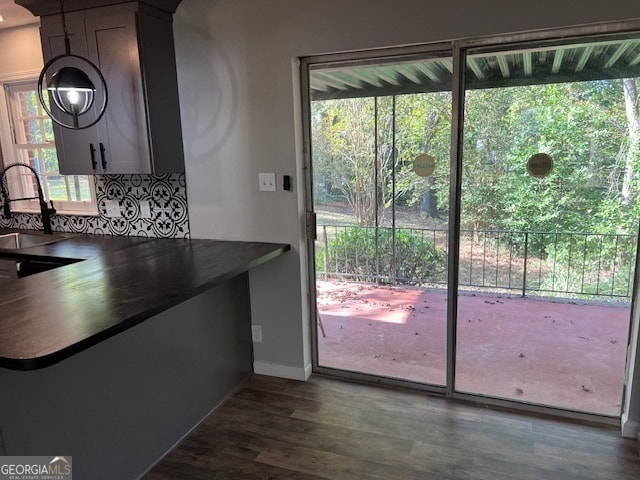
548, 223
380, 142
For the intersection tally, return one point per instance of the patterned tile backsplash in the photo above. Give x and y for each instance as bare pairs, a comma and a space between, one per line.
167, 196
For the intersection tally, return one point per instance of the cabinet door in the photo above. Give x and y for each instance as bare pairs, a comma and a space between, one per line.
119, 142
112, 42
78, 150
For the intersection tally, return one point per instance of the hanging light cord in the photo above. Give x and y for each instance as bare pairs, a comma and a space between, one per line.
67, 42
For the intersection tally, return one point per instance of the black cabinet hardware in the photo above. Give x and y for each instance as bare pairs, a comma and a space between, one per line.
92, 149
102, 157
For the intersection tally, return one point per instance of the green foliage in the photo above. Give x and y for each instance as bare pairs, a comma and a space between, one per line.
348, 144
585, 281
344, 155
582, 125
423, 125
366, 254
585, 126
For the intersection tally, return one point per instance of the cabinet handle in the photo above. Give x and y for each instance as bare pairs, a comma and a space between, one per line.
92, 149
102, 157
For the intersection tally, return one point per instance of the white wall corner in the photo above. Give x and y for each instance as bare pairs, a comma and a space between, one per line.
283, 371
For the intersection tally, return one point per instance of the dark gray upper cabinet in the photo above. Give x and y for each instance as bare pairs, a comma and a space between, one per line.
132, 45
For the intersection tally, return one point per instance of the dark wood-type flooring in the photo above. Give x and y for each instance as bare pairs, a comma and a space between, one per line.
325, 428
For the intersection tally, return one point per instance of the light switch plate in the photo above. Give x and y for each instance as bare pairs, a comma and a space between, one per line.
113, 208
267, 182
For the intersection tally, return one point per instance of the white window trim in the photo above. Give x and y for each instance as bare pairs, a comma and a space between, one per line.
7, 157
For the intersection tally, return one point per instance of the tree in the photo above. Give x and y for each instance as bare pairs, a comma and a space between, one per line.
423, 126
591, 129
633, 122
344, 154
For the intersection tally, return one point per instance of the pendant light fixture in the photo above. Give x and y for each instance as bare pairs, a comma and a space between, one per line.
75, 85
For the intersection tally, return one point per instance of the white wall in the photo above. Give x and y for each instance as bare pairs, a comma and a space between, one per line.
239, 112
20, 50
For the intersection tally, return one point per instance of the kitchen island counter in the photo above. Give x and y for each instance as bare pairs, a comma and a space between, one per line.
113, 359
119, 282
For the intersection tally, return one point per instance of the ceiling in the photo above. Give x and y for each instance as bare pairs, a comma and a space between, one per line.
13, 15
613, 58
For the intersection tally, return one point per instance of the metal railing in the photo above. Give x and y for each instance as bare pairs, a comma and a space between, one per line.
554, 263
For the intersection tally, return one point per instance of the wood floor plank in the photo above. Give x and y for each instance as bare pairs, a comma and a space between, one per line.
327, 464
373, 448
325, 428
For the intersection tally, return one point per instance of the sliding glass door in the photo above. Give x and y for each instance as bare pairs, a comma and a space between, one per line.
473, 216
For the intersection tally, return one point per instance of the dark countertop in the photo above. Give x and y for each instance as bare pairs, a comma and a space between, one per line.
122, 281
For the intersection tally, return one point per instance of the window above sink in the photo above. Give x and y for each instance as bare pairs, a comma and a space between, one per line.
26, 136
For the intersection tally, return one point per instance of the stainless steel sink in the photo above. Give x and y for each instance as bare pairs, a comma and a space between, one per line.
23, 240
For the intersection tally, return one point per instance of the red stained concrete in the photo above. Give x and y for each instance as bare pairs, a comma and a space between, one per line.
566, 355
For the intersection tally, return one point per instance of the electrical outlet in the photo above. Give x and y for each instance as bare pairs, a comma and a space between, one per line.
256, 333
145, 209
113, 208
267, 182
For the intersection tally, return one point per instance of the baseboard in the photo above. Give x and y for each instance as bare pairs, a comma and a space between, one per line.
283, 371
630, 428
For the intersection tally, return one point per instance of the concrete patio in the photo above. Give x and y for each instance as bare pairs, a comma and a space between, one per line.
560, 353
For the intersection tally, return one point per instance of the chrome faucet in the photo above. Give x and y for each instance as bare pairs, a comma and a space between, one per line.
45, 211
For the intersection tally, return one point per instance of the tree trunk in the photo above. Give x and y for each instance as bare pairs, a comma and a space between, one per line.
633, 122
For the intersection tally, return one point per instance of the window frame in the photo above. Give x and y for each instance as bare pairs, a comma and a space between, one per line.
8, 155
